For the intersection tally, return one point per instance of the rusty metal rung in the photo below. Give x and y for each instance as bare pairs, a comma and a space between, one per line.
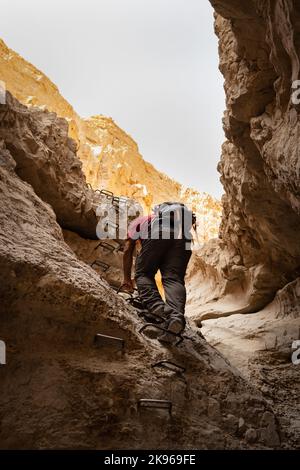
116, 200
115, 288
106, 246
120, 291
150, 317
118, 245
121, 248
153, 325
105, 340
102, 265
123, 200
172, 366
106, 193
136, 302
152, 403
119, 199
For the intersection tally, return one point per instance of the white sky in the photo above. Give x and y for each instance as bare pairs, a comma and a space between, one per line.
152, 65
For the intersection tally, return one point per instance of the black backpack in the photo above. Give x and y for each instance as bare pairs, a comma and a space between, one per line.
172, 220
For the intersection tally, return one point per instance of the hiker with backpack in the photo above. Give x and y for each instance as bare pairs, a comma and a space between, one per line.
163, 241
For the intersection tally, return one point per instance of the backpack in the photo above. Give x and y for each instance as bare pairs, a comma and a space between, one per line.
172, 220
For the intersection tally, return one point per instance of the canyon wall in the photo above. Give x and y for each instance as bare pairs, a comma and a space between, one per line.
259, 249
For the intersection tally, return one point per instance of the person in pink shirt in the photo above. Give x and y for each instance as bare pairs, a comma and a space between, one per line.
164, 243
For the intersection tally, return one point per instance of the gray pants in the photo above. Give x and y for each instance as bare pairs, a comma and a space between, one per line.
170, 257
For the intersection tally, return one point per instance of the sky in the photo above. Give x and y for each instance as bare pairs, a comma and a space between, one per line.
152, 65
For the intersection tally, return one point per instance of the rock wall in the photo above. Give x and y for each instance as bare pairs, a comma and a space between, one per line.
259, 249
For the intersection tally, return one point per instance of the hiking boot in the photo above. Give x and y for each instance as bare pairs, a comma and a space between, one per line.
167, 338
158, 313
175, 325
152, 332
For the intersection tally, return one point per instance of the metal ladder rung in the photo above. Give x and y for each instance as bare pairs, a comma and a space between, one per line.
106, 246
120, 199
152, 318
153, 325
120, 246
152, 403
124, 292
105, 340
123, 200
106, 193
115, 288
102, 265
172, 366
136, 302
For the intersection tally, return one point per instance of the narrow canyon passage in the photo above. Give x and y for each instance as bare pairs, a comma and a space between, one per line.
238, 385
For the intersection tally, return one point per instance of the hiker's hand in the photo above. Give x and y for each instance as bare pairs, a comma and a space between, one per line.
127, 287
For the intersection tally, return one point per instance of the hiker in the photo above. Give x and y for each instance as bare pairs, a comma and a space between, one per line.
164, 243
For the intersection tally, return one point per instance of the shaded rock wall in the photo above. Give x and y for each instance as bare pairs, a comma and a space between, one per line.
260, 229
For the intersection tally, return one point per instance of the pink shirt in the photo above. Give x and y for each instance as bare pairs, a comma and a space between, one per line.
138, 228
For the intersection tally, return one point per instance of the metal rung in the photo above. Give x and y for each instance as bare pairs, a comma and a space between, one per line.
106, 193
115, 288
178, 335
145, 315
123, 200
121, 247
103, 266
89, 186
119, 200
120, 290
136, 302
104, 340
151, 403
106, 246
116, 199
171, 366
